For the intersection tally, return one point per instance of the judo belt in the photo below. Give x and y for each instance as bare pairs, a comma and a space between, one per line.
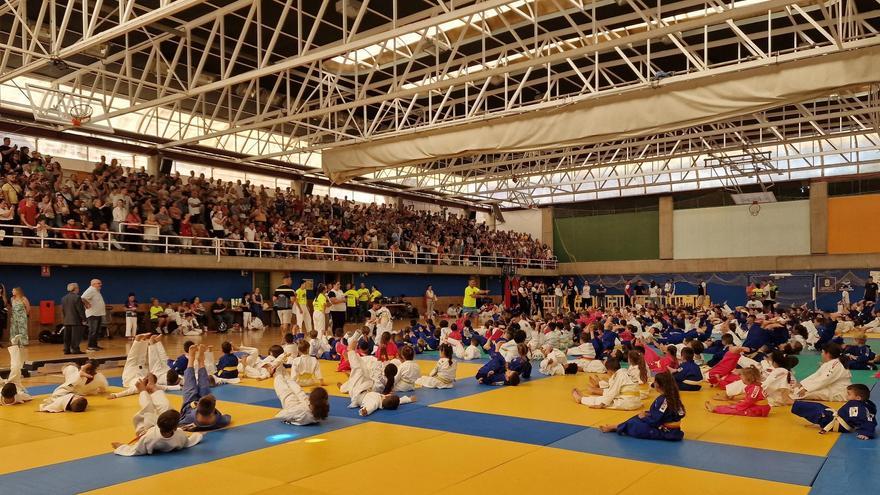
631, 394
671, 426
837, 424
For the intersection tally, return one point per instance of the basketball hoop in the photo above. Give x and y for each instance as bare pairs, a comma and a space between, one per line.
754, 209
80, 114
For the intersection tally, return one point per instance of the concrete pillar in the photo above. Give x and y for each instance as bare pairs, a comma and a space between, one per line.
819, 218
153, 162
666, 235
297, 187
547, 226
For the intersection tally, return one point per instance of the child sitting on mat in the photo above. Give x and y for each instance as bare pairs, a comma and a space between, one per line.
754, 402
858, 415
662, 421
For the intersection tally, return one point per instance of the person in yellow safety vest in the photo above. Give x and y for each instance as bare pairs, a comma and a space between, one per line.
351, 299
319, 311
363, 301
301, 309
375, 294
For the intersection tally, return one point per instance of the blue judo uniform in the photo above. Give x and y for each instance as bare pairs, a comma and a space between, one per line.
193, 390
856, 416
661, 423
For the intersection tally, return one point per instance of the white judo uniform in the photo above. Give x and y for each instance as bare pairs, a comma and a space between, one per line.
144, 357
622, 393
408, 372
152, 442
306, 371
295, 407
828, 383
442, 376
554, 363
15, 364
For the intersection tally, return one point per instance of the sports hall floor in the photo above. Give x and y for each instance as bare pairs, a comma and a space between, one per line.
470, 439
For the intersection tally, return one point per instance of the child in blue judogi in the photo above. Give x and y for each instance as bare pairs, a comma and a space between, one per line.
689, 375
199, 411
661, 421
860, 355
495, 372
858, 415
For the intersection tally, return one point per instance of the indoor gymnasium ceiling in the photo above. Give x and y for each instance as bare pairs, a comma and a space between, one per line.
283, 82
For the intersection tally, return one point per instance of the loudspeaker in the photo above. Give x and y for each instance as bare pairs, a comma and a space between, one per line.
308, 187
165, 166
496, 212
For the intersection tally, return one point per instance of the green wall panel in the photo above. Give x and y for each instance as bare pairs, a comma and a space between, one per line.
622, 236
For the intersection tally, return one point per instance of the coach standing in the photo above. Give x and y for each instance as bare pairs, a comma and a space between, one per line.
95, 311
73, 315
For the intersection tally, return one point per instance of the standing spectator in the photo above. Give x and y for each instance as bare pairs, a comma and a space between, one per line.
351, 309
218, 223
471, 292
4, 310
73, 317
337, 307
95, 311
600, 295
7, 217
586, 297
430, 300
27, 214
21, 307
257, 305
870, 291
570, 294
282, 300
701, 293
131, 316
363, 301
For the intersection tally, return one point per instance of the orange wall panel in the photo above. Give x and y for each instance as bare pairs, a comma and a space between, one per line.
852, 226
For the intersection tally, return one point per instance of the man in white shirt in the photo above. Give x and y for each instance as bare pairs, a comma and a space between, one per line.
95, 311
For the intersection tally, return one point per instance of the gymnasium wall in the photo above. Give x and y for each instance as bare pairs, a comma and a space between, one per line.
165, 284
852, 224
621, 236
731, 231
176, 284
730, 286
525, 221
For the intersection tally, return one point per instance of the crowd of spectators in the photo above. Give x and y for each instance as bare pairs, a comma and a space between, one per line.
76, 210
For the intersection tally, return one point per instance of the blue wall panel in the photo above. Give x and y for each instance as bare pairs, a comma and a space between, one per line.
176, 284
165, 284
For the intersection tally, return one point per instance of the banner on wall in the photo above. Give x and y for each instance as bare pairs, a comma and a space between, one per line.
827, 284
45, 272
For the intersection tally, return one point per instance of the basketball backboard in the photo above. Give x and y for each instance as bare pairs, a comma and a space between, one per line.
63, 107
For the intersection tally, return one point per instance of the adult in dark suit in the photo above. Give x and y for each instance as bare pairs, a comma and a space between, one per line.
73, 318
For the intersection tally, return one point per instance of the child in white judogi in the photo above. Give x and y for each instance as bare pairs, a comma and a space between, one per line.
297, 407
554, 361
318, 345
146, 357
260, 368
360, 386
443, 374
65, 396
829, 382
408, 371
622, 392
584, 350
86, 380
458, 348
472, 351
13, 392
371, 370
305, 368
163, 437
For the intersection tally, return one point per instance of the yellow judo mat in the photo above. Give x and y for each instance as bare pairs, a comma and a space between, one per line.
470, 439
